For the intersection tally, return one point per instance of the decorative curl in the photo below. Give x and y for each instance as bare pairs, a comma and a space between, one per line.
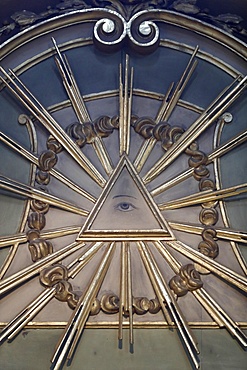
104, 125
143, 34
40, 248
39, 206
36, 220
110, 32
95, 309
54, 145
208, 216
42, 177
209, 246
64, 293
109, 303
188, 279
81, 133
47, 160
52, 275
144, 126
147, 128
142, 305
197, 161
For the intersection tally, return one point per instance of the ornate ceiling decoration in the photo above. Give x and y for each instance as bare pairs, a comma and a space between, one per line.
231, 23
129, 173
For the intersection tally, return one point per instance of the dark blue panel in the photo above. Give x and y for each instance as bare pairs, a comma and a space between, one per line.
158, 70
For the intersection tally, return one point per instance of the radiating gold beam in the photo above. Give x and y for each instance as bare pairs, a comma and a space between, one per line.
215, 267
206, 301
182, 83
220, 316
26, 315
183, 328
20, 238
31, 310
84, 259
221, 233
155, 285
216, 108
79, 106
126, 296
125, 135
33, 193
74, 328
101, 151
121, 110
167, 106
125, 106
34, 159
45, 118
22, 276
217, 153
129, 294
123, 299
204, 197
174, 181
8, 260
70, 85
148, 145
228, 146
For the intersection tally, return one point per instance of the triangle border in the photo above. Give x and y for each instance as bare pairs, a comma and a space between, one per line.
164, 233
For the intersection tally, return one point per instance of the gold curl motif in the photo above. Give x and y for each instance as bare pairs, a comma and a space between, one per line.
188, 279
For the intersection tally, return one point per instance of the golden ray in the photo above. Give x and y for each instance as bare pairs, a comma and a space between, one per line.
45, 118
217, 153
221, 233
156, 287
84, 259
126, 296
207, 302
34, 159
20, 238
169, 300
33, 193
74, 328
7, 262
129, 295
13, 281
79, 106
204, 197
31, 310
27, 314
125, 106
228, 146
217, 268
216, 108
148, 144
167, 106
122, 300
220, 316
70, 85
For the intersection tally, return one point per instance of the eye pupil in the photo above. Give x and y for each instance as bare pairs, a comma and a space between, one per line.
125, 206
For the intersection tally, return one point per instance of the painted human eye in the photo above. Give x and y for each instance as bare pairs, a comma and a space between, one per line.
125, 207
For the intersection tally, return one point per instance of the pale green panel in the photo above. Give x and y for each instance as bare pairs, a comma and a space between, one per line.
154, 349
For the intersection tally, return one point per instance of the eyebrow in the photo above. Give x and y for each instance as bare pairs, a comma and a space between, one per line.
127, 196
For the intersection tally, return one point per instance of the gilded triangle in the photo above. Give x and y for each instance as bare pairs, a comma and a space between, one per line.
125, 210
